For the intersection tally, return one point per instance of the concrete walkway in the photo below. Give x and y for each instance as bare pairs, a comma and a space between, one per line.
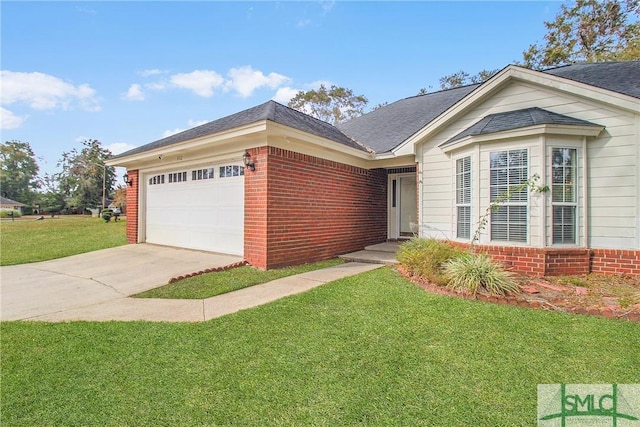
97, 286
170, 310
39, 289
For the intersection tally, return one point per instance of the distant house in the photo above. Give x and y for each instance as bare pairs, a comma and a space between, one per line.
9, 205
428, 164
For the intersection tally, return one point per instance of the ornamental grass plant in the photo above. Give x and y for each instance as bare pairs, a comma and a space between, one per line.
476, 272
426, 257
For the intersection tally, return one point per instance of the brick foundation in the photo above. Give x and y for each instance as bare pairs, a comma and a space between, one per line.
538, 261
300, 208
132, 206
615, 261
563, 262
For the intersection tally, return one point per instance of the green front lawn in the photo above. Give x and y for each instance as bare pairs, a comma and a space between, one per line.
372, 349
220, 282
28, 240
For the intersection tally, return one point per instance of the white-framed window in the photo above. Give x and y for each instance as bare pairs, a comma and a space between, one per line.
177, 177
509, 169
200, 174
157, 179
564, 195
231, 170
463, 198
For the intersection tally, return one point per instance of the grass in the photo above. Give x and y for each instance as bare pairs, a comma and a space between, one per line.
29, 240
371, 349
212, 284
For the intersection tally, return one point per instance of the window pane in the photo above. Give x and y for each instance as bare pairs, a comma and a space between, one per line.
464, 222
509, 223
463, 197
564, 226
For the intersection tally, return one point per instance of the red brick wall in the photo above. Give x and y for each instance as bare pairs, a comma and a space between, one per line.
132, 207
615, 261
538, 261
315, 209
255, 210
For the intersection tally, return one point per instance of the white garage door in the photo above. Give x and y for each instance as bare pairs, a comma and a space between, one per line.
197, 208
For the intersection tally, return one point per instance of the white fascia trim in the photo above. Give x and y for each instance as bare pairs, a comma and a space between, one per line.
276, 129
518, 73
191, 144
547, 129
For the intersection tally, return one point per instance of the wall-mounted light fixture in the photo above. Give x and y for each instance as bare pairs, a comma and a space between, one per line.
246, 159
127, 181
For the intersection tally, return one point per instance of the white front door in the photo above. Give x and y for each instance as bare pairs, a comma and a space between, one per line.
402, 206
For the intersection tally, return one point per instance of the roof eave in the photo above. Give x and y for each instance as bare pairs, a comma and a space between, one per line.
245, 130
513, 72
544, 129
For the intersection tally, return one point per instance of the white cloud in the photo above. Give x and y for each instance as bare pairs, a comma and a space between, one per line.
241, 80
134, 93
284, 95
10, 120
201, 82
45, 92
245, 80
170, 132
191, 124
119, 147
327, 6
194, 123
153, 72
303, 23
156, 86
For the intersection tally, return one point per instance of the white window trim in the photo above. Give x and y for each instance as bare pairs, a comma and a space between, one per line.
508, 203
580, 191
457, 205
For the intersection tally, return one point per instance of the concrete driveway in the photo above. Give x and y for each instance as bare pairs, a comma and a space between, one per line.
44, 288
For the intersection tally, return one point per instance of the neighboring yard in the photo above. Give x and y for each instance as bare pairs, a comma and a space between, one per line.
27, 240
372, 349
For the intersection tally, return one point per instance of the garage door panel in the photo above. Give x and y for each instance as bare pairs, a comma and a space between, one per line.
197, 214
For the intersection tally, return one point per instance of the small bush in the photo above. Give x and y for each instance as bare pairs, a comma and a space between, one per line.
7, 214
426, 257
472, 272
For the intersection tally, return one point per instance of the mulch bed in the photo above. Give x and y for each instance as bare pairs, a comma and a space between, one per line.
590, 297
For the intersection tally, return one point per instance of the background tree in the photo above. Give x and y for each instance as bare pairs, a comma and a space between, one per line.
591, 31
120, 198
18, 171
334, 105
462, 78
81, 178
51, 201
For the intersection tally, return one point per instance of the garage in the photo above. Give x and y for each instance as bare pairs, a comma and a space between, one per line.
197, 208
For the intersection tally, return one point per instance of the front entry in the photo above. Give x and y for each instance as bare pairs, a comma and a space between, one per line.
402, 206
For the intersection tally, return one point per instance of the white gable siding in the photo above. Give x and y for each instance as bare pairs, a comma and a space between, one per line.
612, 161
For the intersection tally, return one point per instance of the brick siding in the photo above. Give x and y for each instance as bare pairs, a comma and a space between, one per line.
615, 261
538, 261
132, 207
300, 208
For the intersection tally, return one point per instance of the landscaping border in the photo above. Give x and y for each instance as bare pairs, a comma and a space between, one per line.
555, 304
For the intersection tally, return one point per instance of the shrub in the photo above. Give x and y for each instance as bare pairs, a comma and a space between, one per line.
106, 215
472, 272
7, 214
425, 258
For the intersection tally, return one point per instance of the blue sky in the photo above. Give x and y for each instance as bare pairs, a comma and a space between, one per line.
129, 73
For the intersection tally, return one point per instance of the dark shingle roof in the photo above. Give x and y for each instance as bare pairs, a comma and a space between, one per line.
270, 110
621, 77
384, 129
517, 119
5, 201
